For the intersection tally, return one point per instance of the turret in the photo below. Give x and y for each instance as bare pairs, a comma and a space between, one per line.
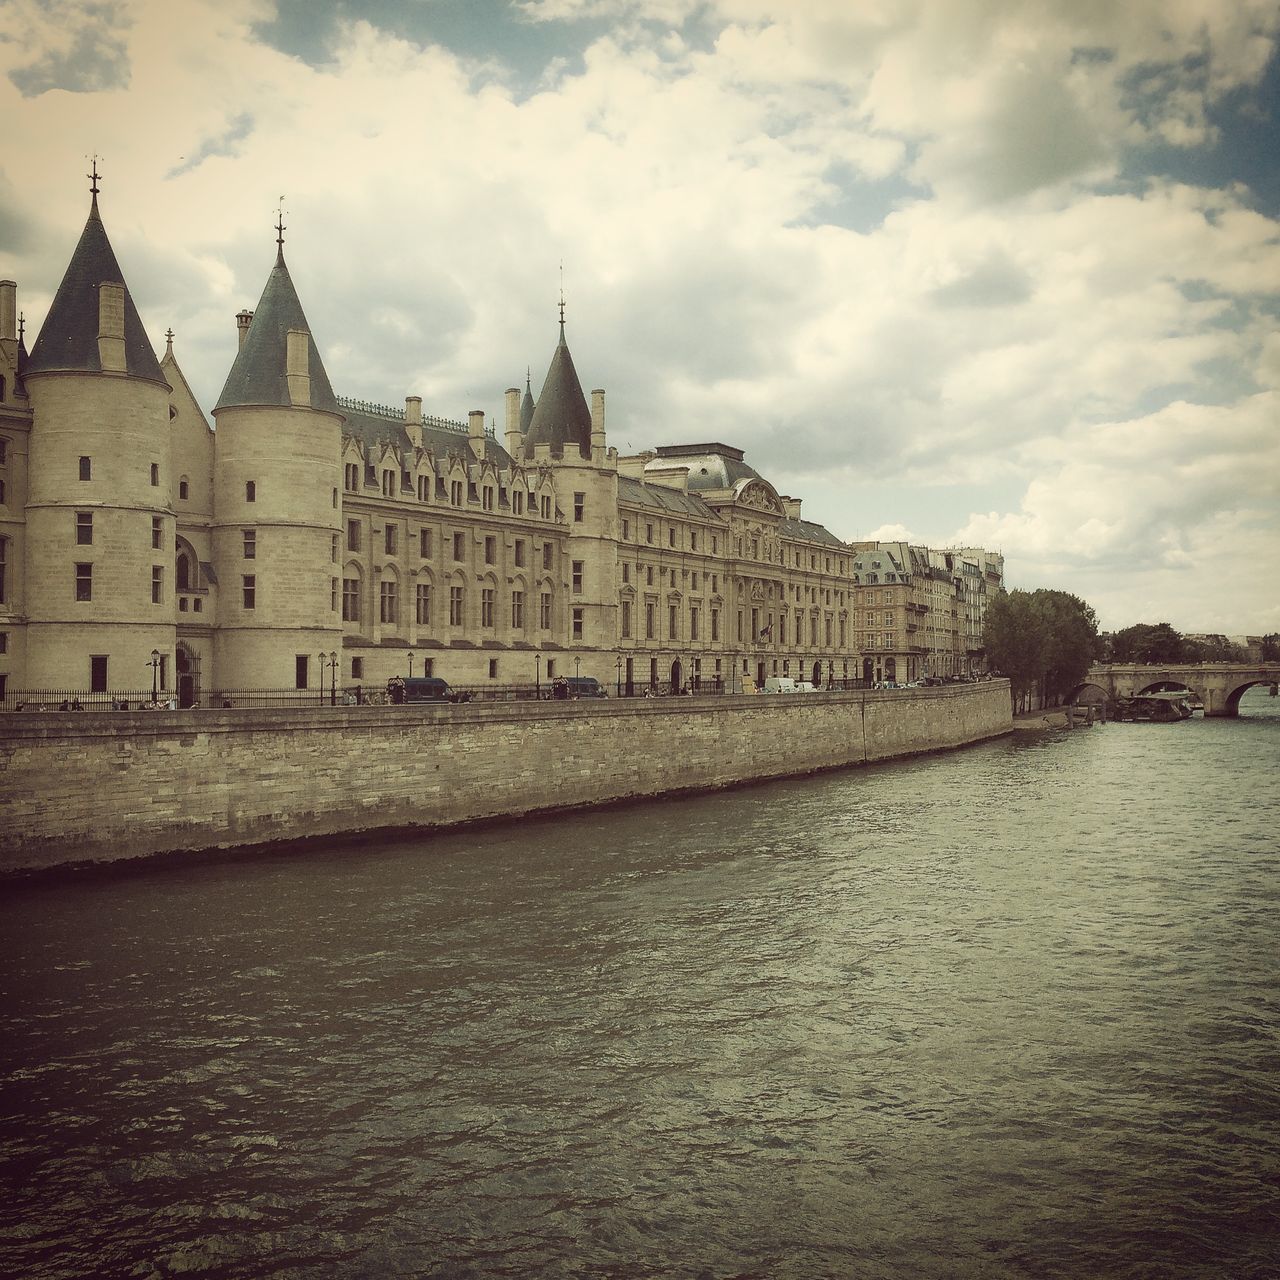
100, 529
276, 517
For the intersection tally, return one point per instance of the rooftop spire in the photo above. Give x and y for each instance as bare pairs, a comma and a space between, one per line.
561, 417
280, 233
168, 342
94, 178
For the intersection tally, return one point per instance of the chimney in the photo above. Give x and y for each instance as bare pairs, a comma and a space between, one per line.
9, 310
597, 425
297, 366
790, 507
413, 420
515, 441
243, 320
111, 326
475, 432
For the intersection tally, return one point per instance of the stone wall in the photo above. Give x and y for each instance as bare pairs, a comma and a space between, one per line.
107, 786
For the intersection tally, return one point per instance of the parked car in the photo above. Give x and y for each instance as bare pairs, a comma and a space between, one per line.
426, 689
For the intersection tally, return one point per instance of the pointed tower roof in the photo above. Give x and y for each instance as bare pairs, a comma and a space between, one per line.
258, 375
561, 417
526, 405
69, 336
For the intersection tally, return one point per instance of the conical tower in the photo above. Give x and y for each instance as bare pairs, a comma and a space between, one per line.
568, 437
276, 517
99, 545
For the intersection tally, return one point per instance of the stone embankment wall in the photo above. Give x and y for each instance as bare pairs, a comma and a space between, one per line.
78, 787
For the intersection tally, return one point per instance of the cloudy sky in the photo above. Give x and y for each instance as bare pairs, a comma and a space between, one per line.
1003, 272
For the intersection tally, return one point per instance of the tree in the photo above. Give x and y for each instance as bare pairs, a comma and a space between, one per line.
1014, 638
1147, 642
1271, 647
1070, 630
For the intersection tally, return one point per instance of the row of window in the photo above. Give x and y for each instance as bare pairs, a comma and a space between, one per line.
458, 545
84, 582
424, 597
457, 491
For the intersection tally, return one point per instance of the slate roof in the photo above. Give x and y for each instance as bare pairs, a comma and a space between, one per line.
374, 429
526, 408
258, 375
69, 336
711, 466
808, 531
560, 417
660, 498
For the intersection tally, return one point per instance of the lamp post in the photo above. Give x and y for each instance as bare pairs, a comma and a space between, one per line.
410, 664
154, 664
618, 666
577, 662
537, 675
324, 662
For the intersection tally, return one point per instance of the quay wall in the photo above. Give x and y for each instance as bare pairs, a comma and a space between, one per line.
79, 786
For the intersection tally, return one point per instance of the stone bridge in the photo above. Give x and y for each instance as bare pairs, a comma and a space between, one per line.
1216, 684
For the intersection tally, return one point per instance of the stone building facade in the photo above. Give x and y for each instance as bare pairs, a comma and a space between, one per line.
305, 540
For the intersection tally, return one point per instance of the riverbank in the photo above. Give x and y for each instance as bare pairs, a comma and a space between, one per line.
88, 787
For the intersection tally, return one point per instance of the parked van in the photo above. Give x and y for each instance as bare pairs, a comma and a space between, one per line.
578, 687
427, 689
779, 684
805, 686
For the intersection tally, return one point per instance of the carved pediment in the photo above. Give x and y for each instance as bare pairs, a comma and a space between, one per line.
755, 493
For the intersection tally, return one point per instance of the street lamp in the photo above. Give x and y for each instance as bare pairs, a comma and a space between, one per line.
577, 662
537, 675
333, 687
618, 664
410, 664
154, 664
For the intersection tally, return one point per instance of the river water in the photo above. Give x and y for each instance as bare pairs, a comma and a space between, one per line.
1010, 1011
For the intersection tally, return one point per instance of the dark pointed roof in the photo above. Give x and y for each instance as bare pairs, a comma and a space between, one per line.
526, 406
258, 375
69, 336
561, 417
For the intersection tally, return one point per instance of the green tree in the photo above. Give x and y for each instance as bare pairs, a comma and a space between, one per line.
1147, 642
1271, 647
1014, 638
1070, 630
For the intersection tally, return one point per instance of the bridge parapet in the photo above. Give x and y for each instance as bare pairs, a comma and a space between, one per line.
1218, 685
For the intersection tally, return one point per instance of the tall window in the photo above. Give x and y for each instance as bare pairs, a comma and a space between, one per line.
157, 584
351, 476
579, 507
424, 488
455, 606
4, 559
673, 621
693, 624
577, 624
517, 610
351, 599
519, 553
301, 661
577, 577
547, 552
546, 506
455, 493
422, 610
424, 544
84, 528
457, 546
626, 619
184, 488
157, 533
648, 622
517, 503
84, 582
389, 538
250, 543
97, 673
490, 550
486, 497
155, 473
388, 601
333, 595
333, 548
250, 491
249, 589
715, 624
486, 607
353, 535
544, 615
86, 468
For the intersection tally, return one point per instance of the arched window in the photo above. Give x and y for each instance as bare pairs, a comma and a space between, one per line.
183, 488
183, 574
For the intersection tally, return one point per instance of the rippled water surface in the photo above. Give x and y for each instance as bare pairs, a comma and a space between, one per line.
1011, 1011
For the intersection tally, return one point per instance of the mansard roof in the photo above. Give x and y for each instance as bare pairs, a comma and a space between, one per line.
258, 375
808, 531
372, 428
711, 466
68, 338
560, 417
661, 498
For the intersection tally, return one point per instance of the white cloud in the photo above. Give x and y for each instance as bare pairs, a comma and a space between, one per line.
772, 236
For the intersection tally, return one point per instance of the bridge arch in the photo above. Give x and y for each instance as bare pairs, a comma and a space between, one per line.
1231, 705
1172, 686
1097, 693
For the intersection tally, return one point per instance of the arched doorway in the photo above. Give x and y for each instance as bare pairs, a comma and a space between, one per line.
630, 686
188, 663
760, 677
677, 675
891, 669
817, 675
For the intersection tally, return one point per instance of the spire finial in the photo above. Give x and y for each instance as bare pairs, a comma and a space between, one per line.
22, 326
94, 178
168, 342
280, 230
561, 293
